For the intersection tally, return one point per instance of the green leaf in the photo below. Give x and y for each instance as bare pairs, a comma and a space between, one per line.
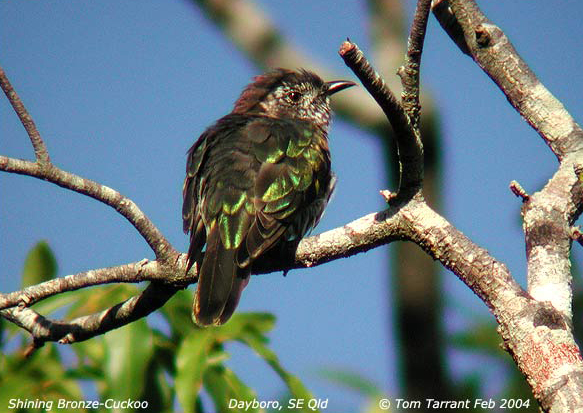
191, 363
40, 265
353, 381
223, 385
42, 376
200, 352
96, 299
295, 386
242, 324
60, 301
159, 391
371, 405
178, 313
128, 353
359, 384
91, 359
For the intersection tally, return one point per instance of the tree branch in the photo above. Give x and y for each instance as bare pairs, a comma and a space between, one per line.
541, 342
40, 150
133, 272
493, 52
414, 221
358, 236
125, 206
410, 148
548, 214
43, 329
537, 333
410, 71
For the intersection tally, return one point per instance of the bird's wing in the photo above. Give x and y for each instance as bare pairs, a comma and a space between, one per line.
217, 211
251, 181
191, 217
292, 184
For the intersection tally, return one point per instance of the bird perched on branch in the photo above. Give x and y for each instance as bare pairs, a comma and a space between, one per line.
258, 177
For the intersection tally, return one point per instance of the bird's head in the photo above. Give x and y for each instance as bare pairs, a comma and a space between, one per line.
284, 93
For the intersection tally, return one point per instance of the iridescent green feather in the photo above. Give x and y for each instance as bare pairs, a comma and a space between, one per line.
279, 204
281, 186
232, 230
233, 201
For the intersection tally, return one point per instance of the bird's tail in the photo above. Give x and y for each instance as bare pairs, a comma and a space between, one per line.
220, 283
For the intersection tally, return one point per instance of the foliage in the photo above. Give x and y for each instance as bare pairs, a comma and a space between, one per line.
172, 362
163, 362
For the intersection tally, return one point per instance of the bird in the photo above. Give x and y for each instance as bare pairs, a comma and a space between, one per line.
257, 178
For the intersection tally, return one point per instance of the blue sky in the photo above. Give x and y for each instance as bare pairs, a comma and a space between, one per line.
120, 92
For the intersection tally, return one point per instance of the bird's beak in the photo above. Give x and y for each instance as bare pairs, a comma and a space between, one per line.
338, 85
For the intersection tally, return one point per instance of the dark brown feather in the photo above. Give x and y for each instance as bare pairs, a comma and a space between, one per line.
257, 178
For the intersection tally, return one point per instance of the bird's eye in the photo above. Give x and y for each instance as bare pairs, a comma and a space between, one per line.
294, 96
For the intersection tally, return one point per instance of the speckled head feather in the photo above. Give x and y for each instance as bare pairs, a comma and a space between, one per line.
264, 84
288, 94
256, 91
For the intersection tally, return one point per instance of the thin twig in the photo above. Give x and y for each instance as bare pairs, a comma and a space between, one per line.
125, 206
374, 84
40, 149
410, 71
519, 191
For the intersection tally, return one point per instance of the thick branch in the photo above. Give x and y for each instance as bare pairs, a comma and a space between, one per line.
493, 52
537, 335
42, 329
548, 214
541, 344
